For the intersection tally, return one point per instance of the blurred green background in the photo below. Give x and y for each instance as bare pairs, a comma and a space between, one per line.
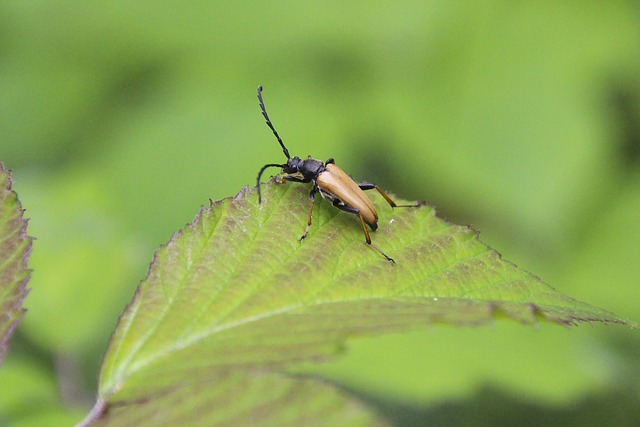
119, 119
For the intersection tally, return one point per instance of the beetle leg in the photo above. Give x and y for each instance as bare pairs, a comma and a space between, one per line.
330, 161
364, 186
367, 238
312, 198
296, 179
338, 204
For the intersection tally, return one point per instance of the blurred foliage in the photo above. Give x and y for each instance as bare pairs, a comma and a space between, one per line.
119, 119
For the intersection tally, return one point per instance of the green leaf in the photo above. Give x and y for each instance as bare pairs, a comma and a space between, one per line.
239, 398
235, 291
15, 247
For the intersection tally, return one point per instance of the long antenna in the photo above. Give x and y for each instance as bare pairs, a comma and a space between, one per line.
266, 116
270, 165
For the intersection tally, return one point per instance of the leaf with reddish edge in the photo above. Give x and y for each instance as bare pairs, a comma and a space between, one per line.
15, 247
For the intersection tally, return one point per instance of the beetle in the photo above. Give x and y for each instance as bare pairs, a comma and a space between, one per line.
332, 183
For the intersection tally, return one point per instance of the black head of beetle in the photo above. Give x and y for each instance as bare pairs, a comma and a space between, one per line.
309, 168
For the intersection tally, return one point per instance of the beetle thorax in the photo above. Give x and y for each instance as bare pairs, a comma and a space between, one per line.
308, 168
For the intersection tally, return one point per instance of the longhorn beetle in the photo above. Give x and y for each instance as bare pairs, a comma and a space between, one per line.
332, 184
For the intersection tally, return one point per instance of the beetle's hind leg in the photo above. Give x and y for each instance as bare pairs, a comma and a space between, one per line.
367, 238
364, 186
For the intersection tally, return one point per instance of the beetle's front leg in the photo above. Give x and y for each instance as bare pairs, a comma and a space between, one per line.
312, 198
296, 179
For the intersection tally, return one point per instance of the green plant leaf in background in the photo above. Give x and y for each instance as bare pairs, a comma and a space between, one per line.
234, 295
15, 247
